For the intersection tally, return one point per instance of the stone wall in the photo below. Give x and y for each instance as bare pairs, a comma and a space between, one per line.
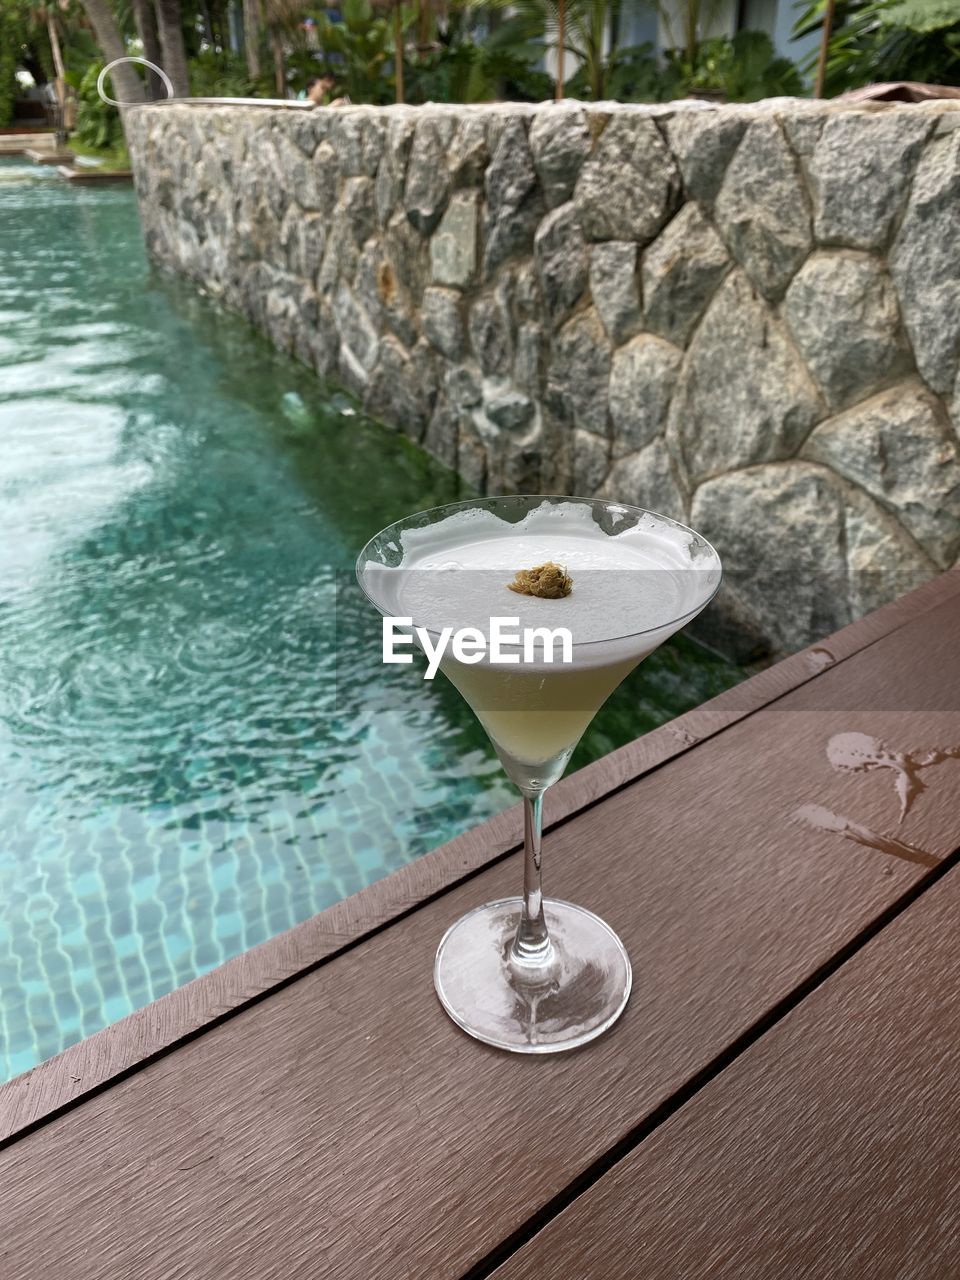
746, 317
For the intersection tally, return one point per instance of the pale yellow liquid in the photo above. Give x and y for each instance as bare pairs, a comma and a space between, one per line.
531, 716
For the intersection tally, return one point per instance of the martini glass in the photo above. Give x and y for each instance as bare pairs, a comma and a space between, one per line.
533, 974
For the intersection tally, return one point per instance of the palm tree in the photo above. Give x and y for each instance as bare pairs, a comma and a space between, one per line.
423, 16
587, 22
282, 18
695, 17
125, 79
398, 49
174, 59
578, 27
829, 17
251, 37
561, 41
145, 20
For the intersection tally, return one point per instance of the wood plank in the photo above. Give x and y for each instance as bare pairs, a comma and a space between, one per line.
344, 1127
139, 1038
48, 156
829, 1150
89, 175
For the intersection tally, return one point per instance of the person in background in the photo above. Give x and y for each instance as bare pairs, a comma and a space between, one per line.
318, 90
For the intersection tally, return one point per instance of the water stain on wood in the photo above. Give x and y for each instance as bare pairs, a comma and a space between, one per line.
823, 819
859, 753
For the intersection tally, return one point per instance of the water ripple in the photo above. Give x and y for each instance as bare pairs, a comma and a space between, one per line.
198, 743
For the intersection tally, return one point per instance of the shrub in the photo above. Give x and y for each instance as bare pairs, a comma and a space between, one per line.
880, 40
218, 75
98, 124
8, 67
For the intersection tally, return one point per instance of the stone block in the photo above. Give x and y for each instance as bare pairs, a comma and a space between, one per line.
560, 142
560, 252
899, 448
514, 205
615, 288
442, 314
579, 375
630, 185
733, 412
647, 479
842, 310
453, 247
925, 263
642, 378
762, 209
860, 173
680, 273
703, 143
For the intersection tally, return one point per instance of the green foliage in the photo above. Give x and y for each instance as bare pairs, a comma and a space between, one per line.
585, 36
303, 65
216, 74
464, 68
632, 74
635, 75
98, 124
358, 52
920, 16
586, 23
19, 27
116, 158
79, 49
880, 40
743, 69
8, 65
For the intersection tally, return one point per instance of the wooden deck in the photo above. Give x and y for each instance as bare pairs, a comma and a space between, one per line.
49, 156
16, 141
778, 1100
90, 175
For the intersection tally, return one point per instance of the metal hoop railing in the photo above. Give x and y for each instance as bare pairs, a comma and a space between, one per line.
101, 80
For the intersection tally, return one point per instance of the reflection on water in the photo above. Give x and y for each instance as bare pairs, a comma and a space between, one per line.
191, 763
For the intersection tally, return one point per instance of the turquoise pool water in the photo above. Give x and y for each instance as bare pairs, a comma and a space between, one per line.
197, 747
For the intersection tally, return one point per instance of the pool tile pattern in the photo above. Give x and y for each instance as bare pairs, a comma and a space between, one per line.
198, 744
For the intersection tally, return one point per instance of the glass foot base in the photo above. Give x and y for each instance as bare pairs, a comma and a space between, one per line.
580, 993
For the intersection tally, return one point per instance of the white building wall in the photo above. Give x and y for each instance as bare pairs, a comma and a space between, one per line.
640, 22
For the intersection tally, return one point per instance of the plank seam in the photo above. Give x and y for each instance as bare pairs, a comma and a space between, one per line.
589, 1177
178, 1041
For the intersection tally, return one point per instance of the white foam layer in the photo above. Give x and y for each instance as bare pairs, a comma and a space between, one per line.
456, 573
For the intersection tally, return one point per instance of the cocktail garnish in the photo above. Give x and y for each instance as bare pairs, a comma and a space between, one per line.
549, 581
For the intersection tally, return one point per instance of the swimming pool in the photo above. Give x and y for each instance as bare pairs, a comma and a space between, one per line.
196, 748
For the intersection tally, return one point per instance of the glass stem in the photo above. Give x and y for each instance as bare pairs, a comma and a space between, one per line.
532, 947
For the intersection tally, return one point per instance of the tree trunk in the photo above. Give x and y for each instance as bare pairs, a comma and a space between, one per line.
251, 37
279, 63
145, 21
423, 24
561, 40
828, 19
126, 82
398, 49
57, 59
233, 25
170, 30
598, 66
692, 35
208, 29
61, 82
